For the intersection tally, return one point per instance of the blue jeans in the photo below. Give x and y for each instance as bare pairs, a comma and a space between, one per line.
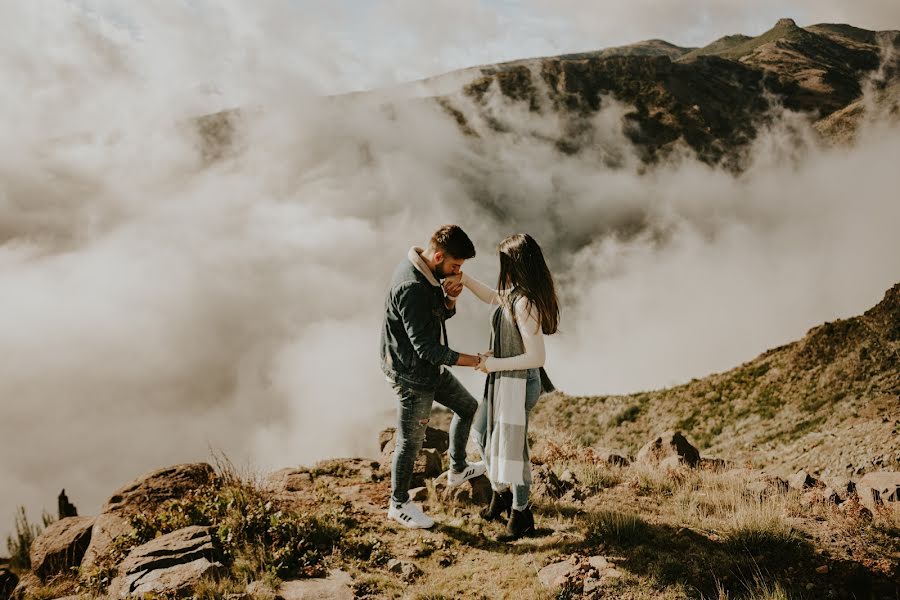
412, 419
532, 395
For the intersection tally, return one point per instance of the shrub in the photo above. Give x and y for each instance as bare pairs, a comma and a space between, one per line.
19, 544
756, 526
608, 526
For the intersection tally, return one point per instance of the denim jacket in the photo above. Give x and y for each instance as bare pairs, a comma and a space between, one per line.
414, 337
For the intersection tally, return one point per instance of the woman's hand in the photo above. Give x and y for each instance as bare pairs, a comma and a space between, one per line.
453, 286
482, 364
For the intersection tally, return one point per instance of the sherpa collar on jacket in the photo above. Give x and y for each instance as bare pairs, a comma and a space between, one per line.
415, 257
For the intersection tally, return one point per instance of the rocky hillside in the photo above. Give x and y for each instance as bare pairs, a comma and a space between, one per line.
829, 402
670, 525
712, 100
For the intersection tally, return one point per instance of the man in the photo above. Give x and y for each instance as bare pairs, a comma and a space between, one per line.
414, 357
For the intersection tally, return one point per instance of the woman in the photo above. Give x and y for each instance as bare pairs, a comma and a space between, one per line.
527, 309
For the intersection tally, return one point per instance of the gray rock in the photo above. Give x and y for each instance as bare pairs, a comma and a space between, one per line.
337, 586
878, 488
150, 490
407, 570
107, 527
61, 546
287, 480
475, 492
261, 590
547, 485
801, 480
146, 493
668, 444
672, 463
172, 563
599, 562
554, 575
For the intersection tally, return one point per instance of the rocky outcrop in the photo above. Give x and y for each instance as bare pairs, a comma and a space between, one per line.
66, 508
170, 564
146, 493
150, 490
880, 488
801, 480
671, 444
61, 546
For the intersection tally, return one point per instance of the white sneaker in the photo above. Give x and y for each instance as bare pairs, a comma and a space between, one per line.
410, 515
473, 470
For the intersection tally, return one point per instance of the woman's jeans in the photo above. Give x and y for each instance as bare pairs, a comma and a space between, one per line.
532, 394
412, 419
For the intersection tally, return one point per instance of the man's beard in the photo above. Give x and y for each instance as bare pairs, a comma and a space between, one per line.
439, 271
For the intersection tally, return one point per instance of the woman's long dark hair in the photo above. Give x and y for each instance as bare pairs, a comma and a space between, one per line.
522, 267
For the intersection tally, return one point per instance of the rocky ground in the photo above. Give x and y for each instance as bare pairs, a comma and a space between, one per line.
667, 523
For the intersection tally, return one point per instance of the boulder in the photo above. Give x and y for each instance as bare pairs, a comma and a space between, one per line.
801, 480
670, 443
474, 492
546, 484
168, 565
8, 582
107, 527
61, 546
879, 488
337, 586
556, 574
407, 570
150, 490
288, 479
146, 493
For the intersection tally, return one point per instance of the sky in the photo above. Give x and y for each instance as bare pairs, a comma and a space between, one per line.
154, 309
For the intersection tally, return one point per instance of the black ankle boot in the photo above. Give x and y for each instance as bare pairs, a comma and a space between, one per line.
521, 522
500, 503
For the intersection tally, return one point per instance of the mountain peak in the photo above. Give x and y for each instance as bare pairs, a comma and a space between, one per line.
786, 24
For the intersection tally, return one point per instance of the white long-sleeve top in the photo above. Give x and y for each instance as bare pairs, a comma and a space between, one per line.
529, 327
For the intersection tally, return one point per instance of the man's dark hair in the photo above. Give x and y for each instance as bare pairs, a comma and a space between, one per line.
453, 241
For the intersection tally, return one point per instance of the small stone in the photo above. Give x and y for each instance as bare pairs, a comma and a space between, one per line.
591, 585
598, 562
822, 570
558, 571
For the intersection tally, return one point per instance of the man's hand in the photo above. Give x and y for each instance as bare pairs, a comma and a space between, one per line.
482, 364
468, 360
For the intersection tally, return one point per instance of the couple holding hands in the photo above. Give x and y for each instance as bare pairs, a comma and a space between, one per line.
415, 351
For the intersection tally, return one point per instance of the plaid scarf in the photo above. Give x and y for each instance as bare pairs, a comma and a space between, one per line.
505, 437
